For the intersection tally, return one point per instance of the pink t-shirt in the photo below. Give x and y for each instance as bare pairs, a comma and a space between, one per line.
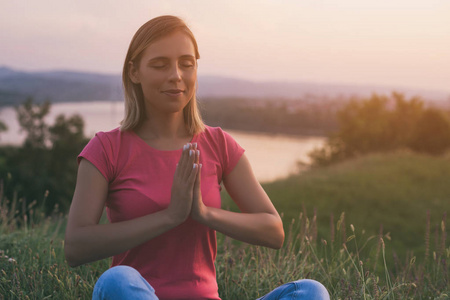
179, 264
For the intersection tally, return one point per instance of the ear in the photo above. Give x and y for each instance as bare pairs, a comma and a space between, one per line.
133, 73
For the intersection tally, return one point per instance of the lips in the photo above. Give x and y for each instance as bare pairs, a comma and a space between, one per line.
173, 91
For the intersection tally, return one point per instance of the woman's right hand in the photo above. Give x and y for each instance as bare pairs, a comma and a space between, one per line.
183, 184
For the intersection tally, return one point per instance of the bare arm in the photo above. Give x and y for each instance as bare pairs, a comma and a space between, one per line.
87, 241
258, 223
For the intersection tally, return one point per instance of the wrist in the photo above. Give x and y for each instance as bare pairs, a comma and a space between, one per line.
174, 218
204, 216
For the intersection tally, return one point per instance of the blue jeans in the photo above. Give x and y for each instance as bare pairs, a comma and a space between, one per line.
124, 282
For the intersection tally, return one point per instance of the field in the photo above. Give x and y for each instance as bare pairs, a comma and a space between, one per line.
369, 228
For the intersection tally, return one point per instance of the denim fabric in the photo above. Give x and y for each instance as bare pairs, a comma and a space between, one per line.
304, 289
124, 282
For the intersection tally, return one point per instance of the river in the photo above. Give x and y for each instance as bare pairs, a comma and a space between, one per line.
271, 156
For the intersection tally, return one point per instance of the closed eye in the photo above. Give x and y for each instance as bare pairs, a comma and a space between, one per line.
187, 65
158, 66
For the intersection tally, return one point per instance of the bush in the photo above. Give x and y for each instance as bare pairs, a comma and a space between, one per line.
381, 124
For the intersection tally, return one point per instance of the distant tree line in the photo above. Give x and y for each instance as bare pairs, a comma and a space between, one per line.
47, 159
383, 123
296, 117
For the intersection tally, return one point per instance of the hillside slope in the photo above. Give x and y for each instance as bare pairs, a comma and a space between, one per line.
395, 190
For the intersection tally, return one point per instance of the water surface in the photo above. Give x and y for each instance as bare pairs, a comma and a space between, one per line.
271, 156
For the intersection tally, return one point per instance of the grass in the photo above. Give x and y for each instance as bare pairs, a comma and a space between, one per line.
389, 192
348, 253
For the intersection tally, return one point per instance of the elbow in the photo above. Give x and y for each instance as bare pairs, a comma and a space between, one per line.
70, 258
69, 253
277, 240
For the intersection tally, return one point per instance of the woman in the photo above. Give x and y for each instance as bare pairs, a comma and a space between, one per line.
159, 176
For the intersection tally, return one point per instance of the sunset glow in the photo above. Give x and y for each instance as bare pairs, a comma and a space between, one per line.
395, 43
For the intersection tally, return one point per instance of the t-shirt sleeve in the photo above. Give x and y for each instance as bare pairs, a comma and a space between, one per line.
98, 152
233, 152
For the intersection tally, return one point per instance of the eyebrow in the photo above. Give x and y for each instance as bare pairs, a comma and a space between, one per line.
186, 56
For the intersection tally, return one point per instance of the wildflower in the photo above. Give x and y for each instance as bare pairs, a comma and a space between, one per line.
352, 227
12, 260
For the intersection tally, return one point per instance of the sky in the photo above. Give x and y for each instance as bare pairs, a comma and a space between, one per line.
398, 43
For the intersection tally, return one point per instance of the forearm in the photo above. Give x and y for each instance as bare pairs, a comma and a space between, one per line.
263, 229
94, 242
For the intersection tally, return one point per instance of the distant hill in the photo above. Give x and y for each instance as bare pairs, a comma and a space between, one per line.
69, 86
57, 86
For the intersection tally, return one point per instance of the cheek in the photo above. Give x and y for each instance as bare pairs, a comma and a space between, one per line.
191, 80
192, 85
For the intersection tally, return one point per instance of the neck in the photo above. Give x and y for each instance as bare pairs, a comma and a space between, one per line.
163, 126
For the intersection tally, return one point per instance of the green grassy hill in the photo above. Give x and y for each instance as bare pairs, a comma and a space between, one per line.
395, 190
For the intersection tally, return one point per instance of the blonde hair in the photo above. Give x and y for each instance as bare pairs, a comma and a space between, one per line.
134, 99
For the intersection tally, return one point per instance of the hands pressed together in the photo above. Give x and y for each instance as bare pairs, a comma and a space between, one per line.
186, 198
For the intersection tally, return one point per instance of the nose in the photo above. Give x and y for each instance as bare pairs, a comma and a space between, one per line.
175, 73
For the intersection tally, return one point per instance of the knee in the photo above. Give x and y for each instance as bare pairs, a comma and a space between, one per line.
311, 289
119, 280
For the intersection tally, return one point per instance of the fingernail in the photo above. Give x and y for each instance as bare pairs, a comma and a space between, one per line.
195, 166
184, 147
200, 166
191, 152
195, 145
198, 152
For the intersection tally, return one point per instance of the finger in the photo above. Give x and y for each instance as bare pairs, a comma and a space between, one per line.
196, 158
198, 179
190, 164
193, 175
184, 160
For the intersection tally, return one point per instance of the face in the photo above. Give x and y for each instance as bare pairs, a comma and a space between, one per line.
167, 73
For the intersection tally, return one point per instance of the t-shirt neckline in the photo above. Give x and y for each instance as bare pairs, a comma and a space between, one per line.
144, 144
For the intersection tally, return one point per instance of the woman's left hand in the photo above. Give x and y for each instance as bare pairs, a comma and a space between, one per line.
199, 209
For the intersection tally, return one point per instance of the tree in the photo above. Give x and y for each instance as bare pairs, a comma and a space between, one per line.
67, 132
67, 138
404, 119
380, 124
3, 127
31, 120
432, 133
47, 159
365, 126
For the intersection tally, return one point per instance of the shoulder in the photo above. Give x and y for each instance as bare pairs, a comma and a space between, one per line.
102, 151
103, 143
216, 133
114, 139
110, 136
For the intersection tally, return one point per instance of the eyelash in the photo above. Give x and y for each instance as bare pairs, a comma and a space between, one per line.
183, 65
